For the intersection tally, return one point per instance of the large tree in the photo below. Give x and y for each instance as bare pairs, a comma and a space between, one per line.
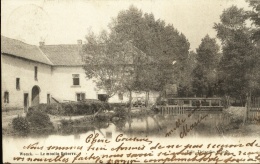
113, 65
204, 75
239, 53
254, 16
163, 43
185, 88
160, 44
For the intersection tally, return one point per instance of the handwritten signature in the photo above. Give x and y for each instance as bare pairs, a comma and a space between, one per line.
185, 127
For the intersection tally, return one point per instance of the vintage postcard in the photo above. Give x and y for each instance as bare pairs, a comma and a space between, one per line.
130, 81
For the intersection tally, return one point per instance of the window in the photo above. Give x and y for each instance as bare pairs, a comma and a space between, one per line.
80, 96
48, 98
36, 73
6, 97
75, 78
102, 97
18, 83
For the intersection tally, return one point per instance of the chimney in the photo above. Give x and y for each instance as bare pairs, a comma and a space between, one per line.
79, 42
41, 43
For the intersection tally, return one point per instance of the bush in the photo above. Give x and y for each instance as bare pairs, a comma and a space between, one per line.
72, 108
39, 122
120, 112
21, 125
53, 109
103, 117
235, 123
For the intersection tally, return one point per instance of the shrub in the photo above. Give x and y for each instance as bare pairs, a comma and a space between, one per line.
235, 123
53, 109
120, 112
39, 121
21, 125
72, 108
117, 105
103, 117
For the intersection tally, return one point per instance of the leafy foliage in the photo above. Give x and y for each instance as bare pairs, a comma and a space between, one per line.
21, 125
39, 122
163, 43
238, 64
205, 73
149, 44
254, 16
72, 108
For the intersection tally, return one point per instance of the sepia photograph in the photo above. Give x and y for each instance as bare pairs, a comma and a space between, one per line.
130, 81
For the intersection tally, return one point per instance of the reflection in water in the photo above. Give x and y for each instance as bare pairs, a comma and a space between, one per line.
159, 125
145, 125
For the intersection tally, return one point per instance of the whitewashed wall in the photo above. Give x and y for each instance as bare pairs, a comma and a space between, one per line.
12, 68
62, 83
56, 81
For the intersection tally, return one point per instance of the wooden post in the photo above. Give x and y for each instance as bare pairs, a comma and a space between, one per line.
248, 106
130, 101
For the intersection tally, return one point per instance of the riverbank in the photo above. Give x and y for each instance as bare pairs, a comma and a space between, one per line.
237, 125
57, 120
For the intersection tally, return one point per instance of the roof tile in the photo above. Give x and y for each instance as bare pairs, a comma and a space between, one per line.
64, 55
20, 49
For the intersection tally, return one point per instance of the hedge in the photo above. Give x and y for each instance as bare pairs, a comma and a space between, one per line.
72, 108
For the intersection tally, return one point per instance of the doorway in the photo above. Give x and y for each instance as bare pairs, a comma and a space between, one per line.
26, 102
35, 95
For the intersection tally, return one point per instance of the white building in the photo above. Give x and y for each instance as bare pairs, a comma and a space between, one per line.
68, 79
32, 75
42, 74
26, 74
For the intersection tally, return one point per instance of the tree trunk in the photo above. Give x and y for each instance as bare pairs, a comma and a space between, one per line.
130, 101
248, 105
146, 98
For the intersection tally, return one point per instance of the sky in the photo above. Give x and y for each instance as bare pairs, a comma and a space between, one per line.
66, 21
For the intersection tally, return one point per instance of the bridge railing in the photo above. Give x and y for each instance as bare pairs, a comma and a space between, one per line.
177, 106
171, 110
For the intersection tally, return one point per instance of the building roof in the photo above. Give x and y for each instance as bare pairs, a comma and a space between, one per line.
63, 55
60, 55
22, 50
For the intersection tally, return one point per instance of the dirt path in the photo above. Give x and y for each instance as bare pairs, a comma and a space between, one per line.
7, 117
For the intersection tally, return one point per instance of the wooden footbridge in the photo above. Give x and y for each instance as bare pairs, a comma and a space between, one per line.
177, 106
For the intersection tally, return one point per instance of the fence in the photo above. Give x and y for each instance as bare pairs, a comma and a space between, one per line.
172, 110
178, 110
253, 109
179, 106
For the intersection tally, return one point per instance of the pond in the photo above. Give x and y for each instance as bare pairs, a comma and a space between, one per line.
199, 123
165, 129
